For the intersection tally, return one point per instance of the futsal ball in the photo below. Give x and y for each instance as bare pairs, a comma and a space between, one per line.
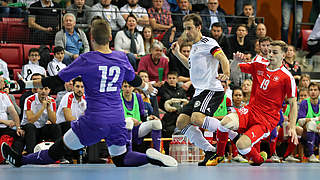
42, 146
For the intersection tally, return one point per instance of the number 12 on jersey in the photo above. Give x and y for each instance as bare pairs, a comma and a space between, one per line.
113, 71
264, 84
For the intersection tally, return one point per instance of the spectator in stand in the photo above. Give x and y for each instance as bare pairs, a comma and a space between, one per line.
148, 38
237, 98
153, 62
218, 34
291, 64
72, 106
184, 9
238, 4
261, 31
68, 87
287, 6
246, 89
44, 20
247, 18
109, 13
304, 82
240, 41
4, 69
172, 99
56, 64
160, 19
39, 119
82, 12
72, 39
140, 13
6, 125
130, 41
33, 65
212, 15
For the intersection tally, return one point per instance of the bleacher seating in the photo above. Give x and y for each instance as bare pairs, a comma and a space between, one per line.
12, 54
13, 30
26, 48
305, 33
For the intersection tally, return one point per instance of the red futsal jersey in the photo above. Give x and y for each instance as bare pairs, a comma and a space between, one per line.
269, 89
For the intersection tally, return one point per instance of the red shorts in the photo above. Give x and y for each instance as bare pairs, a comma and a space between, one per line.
253, 124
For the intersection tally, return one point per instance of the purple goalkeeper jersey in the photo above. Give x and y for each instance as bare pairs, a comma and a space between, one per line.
102, 75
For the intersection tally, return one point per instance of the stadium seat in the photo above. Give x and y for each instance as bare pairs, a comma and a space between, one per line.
17, 32
15, 71
12, 54
305, 33
12, 20
3, 30
26, 48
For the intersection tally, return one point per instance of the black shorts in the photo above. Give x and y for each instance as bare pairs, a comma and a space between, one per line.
207, 102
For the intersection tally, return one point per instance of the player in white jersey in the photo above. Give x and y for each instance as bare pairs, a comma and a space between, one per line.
72, 106
56, 64
203, 62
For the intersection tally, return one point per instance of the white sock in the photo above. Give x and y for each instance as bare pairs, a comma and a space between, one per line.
210, 123
232, 134
195, 136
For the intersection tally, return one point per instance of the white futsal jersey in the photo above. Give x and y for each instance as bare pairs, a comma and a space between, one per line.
203, 66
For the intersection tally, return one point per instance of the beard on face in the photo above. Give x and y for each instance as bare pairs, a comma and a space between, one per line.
132, 4
105, 5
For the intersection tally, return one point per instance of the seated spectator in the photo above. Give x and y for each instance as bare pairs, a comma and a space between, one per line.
153, 62
7, 134
111, 14
72, 106
211, 15
248, 19
246, 89
240, 41
152, 98
28, 93
44, 21
56, 64
39, 119
33, 65
138, 124
220, 37
160, 19
148, 38
140, 13
314, 40
130, 41
304, 82
82, 12
261, 31
4, 69
72, 39
237, 98
68, 87
184, 9
291, 64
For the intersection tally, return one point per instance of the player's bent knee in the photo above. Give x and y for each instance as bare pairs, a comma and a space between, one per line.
230, 121
197, 118
244, 142
58, 149
129, 123
311, 126
182, 121
156, 125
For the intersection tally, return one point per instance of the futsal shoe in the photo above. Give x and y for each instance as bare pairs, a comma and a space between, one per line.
291, 159
208, 155
264, 156
159, 159
10, 155
239, 159
215, 160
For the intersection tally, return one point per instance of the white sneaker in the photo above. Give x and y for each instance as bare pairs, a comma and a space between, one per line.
291, 159
239, 159
157, 158
313, 159
275, 159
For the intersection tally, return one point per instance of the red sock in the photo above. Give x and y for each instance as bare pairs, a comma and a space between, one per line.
222, 140
273, 144
257, 146
255, 156
290, 149
234, 149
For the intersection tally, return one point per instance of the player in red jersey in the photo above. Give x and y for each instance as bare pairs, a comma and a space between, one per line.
272, 83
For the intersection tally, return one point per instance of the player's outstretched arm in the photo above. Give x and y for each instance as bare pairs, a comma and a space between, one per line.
146, 87
176, 51
292, 119
53, 82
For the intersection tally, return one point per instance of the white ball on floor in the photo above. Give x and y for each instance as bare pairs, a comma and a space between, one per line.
42, 146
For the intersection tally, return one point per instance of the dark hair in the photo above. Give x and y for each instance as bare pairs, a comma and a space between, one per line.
131, 15
185, 44
143, 71
282, 44
313, 84
172, 73
95, 18
101, 31
33, 50
58, 49
197, 21
248, 4
242, 25
236, 88
263, 39
77, 79
216, 24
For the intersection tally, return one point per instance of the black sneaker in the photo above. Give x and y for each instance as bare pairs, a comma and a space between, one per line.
159, 159
10, 155
208, 155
